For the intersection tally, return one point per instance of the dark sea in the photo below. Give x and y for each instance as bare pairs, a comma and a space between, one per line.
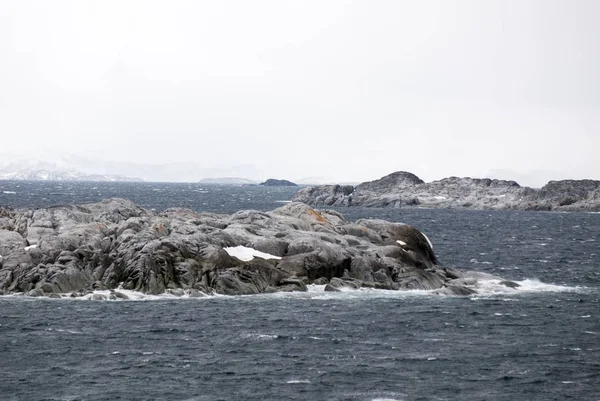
540, 341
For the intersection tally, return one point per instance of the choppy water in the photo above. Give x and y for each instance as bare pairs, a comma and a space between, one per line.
159, 196
539, 342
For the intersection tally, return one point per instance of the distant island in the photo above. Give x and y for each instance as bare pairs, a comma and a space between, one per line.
271, 182
227, 181
403, 189
61, 175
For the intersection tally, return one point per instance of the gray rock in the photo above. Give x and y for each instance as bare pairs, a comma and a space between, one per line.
338, 284
119, 295
403, 189
272, 182
509, 284
293, 284
456, 290
48, 288
194, 293
116, 244
10, 241
35, 293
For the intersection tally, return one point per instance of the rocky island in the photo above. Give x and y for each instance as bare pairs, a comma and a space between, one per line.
401, 189
75, 250
272, 182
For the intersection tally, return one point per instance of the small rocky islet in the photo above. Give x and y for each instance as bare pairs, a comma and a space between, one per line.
274, 182
75, 250
404, 189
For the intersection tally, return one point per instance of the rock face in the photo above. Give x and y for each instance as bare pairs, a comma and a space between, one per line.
117, 244
402, 189
271, 182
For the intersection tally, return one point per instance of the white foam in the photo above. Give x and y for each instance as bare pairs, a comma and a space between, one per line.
27, 248
259, 337
135, 296
429, 242
64, 331
386, 399
9, 192
283, 201
401, 242
484, 284
316, 288
493, 286
317, 292
298, 382
483, 263
246, 254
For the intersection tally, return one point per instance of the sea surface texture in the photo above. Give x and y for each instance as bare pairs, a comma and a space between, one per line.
540, 341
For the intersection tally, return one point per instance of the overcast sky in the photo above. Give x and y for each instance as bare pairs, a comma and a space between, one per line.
351, 90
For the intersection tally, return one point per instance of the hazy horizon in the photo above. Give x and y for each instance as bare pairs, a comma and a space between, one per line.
349, 91
188, 172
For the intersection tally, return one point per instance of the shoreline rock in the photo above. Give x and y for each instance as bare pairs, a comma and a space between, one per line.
404, 189
117, 245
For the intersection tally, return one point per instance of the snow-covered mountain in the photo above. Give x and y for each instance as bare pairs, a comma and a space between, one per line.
64, 175
54, 166
52, 171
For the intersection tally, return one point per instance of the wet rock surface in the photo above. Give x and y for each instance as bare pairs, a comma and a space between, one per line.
402, 189
117, 245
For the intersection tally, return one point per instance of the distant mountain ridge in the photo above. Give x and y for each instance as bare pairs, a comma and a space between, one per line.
64, 175
401, 189
52, 162
227, 181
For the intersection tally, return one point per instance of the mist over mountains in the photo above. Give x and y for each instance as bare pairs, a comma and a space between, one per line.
69, 167
50, 165
74, 167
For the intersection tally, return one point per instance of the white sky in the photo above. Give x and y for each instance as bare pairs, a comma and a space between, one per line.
351, 90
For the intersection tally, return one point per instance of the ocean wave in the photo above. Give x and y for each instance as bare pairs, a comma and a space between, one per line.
496, 286
484, 284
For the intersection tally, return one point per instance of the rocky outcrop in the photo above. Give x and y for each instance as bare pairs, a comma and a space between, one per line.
272, 182
401, 189
115, 244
